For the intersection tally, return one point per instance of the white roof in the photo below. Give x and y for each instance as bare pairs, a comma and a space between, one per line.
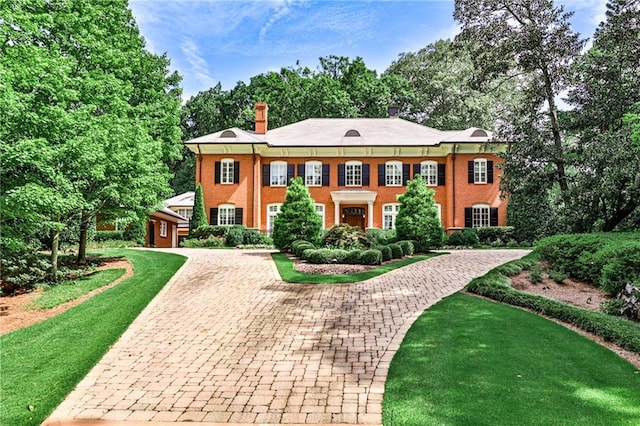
330, 132
185, 199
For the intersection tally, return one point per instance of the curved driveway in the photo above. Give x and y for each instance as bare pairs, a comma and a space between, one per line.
227, 341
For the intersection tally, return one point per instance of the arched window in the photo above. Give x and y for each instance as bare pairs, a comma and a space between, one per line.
353, 173
389, 213
393, 173
480, 215
429, 172
313, 173
278, 173
226, 214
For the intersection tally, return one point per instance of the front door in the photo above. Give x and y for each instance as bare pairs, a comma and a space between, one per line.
353, 216
152, 234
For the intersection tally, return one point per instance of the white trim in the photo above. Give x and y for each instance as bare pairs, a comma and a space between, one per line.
480, 215
279, 179
230, 217
322, 214
309, 166
356, 179
480, 176
395, 177
163, 229
390, 210
428, 171
225, 162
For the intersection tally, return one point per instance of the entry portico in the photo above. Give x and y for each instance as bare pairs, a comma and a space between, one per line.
358, 197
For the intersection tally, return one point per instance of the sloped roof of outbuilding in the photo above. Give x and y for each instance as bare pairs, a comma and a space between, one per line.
186, 199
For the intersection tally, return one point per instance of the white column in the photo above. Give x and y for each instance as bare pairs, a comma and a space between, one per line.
336, 214
370, 220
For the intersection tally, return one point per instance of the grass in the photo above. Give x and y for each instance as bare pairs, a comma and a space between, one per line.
70, 290
467, 360
41, 364
290, 275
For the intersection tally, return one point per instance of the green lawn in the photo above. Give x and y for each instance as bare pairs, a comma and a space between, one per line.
290, 275
469, 361
41, 364
71, 290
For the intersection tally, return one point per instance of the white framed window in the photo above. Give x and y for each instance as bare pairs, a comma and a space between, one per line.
278, 173
480, 170
185, 212
393, 173
480, 215
273, 210
429, 172
389, 213
313, 173
163, 229
226, 171
320, 211
353, 173
226, 214
439, 207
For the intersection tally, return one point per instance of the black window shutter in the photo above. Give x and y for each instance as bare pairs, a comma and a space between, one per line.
470, 171
325, 175
236, 172
291, 172
406, 173
493, 216
441, 174
340, 174
238, 218
216, 178
490, 172
213, 216
381, 175
301, 170
468, 220
365, 175
266, 175
416, 169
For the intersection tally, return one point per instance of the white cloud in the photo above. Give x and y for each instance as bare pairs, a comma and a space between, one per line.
198, 66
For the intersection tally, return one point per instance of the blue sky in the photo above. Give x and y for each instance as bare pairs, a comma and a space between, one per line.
213, 41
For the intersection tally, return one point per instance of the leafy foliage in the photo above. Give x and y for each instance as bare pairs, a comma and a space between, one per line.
345, 236
417, 219
199, 217
298, 219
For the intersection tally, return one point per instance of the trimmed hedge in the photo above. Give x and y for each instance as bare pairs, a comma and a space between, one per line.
108, 236
354, 257
407, 247
396, 251
371, 257
300, 248
386, 253
493, 234
496, 285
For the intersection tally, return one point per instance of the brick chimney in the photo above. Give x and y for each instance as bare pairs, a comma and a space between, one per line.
261, 117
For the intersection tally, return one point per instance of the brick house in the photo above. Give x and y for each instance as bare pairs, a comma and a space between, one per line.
354, 168
162, 229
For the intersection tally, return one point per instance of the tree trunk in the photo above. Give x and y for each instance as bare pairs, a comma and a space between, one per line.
82, 245
55, 239
557, 138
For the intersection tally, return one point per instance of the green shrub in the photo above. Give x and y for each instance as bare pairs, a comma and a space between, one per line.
417, 219
386, 253
456, 239
630, 298
512, 243
353, 257
558, 277
206, 231
622, 268
371, 257
253, 237
298, 218
535, 274
470, 237
345, 237
407, 247
296, 243
611, 307
488, 235
136, 231
207, 242
396, 251
21, 271
377, 236
391, 236
299, 248
199, 216
325, 256
108, 236
235, 236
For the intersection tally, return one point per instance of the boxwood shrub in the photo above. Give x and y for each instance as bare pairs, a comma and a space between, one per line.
353, 257
371, 257
299, 249
386, 253
396, 251
407, 247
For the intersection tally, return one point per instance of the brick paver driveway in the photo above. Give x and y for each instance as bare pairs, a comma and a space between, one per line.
226, 341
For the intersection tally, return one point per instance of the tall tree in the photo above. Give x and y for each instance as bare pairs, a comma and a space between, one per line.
443, 92
298, 219
530, 40
99, 111
199, 217
417, 218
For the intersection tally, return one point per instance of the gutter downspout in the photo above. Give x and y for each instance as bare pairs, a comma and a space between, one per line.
453, 166
199, 166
